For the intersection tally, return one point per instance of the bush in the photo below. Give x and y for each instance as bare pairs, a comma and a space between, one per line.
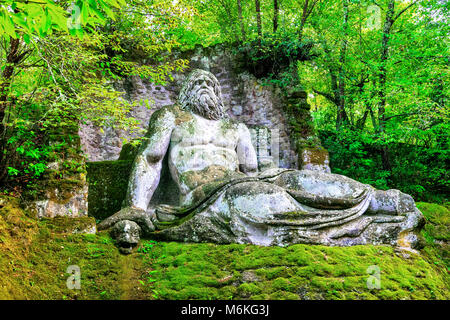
419, 171
275, 55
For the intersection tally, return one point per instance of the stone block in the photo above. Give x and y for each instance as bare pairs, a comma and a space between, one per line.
108, 182
314, 159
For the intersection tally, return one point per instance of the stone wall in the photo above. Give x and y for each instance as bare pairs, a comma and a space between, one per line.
63, 189
248, 99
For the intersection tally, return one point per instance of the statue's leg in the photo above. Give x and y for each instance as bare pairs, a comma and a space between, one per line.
337, 190
391, 202
320, 183
322, 190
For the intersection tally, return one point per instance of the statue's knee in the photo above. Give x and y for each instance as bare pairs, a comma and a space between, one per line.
391, 202
127, 235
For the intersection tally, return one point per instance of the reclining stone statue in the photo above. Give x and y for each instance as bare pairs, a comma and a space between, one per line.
196, 179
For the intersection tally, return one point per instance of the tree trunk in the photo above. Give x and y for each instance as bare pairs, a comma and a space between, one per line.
303, 20
276, 10
258, 21
11, 60
13, 57
241, 19
342, 117
382, 82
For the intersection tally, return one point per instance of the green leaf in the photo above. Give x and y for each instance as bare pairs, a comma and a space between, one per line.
8, 26
26, 38
84, 13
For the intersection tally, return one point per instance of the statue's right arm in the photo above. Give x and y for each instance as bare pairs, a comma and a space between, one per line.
147, 166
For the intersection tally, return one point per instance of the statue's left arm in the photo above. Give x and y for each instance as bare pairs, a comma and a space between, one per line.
248, 162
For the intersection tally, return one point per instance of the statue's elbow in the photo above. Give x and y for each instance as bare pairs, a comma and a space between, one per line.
248, 168
153, 156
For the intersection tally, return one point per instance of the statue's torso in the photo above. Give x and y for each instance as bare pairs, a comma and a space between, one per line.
202, 151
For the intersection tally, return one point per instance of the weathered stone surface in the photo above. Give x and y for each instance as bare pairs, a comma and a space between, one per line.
62, 189
108, 182
264, 214
223, 198
127, 234
73, 204
315, 159
144, 219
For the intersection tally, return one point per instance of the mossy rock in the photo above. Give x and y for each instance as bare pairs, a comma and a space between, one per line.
130, 150
436, 232
35, 255
438, 220
68, 225
108, 182
210, 271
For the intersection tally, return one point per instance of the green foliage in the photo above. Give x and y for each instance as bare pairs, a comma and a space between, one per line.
436, 233
416, 170
43, 17
58, 81
349, 156
277, 53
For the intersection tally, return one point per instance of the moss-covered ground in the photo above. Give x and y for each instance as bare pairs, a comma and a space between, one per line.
35, 255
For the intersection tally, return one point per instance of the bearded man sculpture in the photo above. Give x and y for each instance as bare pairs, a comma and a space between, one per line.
222, 197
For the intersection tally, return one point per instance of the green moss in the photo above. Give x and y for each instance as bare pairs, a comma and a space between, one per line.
130, 150
438, 220
67, 225
436, 233
34, 256
248, 289
227, 124
302, 127
295, 272
108, 182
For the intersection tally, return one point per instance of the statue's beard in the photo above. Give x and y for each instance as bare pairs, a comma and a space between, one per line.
205, 103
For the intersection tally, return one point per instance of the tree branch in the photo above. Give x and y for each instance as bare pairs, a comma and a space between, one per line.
403, 11
326, 95
401, 115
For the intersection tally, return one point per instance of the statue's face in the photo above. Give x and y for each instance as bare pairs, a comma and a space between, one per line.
201, 95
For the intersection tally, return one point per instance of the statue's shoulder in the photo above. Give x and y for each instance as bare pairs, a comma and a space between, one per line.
179, 113
232, 123
164, 112
174, 112
228, 123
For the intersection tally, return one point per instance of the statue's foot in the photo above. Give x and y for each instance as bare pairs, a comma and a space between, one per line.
127, 235
392, 202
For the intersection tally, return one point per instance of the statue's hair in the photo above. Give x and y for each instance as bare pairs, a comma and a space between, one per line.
189, 102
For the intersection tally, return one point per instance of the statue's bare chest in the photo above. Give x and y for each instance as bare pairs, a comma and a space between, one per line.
200, 131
